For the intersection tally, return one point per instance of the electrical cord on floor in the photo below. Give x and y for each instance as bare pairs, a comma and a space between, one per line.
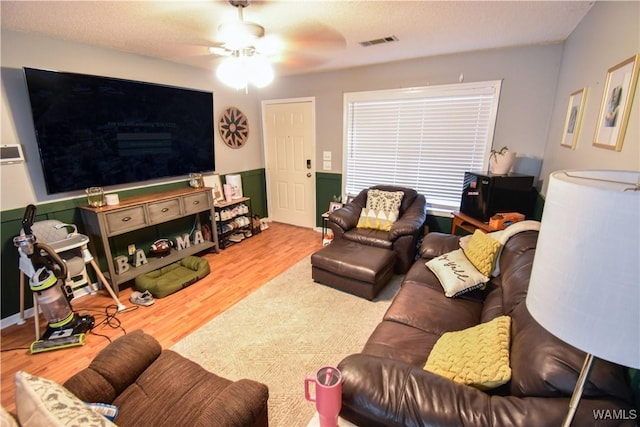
14, 348
111, 320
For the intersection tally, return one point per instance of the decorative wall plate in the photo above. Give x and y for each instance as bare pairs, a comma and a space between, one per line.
233, 127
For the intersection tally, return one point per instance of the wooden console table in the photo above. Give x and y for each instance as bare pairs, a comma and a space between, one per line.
138, 212
467, 223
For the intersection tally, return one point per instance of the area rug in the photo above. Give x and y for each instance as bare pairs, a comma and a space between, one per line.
283, 332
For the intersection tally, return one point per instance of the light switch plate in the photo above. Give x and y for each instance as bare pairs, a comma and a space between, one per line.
326, 155
326, 165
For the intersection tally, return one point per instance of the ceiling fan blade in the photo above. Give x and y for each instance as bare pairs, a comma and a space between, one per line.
270, 45
290, 46
294, 60
220, 51
316, 36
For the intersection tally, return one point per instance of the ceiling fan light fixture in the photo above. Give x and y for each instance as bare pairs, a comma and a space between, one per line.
231, 72
270, 45
236, 35
238, 70
240, 41
261, 71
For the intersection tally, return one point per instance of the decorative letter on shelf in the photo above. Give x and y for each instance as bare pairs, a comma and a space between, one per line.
182, 242
121, 264
140, 258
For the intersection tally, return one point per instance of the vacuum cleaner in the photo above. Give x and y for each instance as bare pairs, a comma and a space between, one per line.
65, 328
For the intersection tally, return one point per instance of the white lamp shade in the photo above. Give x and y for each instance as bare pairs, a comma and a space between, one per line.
585, 281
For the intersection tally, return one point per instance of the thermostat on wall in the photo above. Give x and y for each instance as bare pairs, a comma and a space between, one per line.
11, 153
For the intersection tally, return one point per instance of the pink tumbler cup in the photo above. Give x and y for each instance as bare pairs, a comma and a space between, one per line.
228, 192
328, 394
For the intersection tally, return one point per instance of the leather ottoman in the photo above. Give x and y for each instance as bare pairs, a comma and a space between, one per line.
361, 270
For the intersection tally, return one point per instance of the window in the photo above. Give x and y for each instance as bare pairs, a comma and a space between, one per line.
423, 138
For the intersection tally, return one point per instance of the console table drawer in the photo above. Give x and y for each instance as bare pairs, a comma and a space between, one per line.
164, 211
196, 203
125, 220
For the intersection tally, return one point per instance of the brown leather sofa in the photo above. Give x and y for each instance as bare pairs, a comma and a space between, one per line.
386, 385
155, 387
404, 233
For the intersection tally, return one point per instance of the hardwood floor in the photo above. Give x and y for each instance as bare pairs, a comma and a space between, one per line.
235, 273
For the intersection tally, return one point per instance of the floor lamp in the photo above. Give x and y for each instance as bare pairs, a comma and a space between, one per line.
585, 286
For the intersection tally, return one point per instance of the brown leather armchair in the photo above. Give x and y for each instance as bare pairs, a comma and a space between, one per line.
404, 233
156, 387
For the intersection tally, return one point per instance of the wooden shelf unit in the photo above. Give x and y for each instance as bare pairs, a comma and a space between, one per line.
138, 212
470, 224
224, 235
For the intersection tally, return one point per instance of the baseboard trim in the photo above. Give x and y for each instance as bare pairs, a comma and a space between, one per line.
15, 319
28, 313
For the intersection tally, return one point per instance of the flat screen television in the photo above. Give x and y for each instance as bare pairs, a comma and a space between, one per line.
96, 131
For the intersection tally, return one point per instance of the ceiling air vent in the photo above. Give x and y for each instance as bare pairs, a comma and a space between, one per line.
388, 39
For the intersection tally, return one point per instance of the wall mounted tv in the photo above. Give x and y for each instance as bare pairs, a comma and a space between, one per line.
101, 131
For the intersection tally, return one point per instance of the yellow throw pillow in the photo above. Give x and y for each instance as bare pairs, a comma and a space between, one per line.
482, 251
377, 220
477, 356
382, 209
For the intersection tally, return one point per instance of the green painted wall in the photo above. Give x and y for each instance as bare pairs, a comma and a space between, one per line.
65, 211
253, 183
254, 186
439, 224
328, 185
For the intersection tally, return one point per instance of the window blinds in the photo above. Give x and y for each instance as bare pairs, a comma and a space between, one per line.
424, 138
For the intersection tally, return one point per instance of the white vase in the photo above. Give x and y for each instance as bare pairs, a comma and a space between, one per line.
501, 164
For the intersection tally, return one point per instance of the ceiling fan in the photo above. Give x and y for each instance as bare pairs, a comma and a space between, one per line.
249, 54
247, 49
243, 37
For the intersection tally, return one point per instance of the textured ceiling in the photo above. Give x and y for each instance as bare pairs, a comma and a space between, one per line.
318, 35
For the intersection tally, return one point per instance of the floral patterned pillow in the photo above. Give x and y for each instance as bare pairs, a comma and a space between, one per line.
42, 402
382, 209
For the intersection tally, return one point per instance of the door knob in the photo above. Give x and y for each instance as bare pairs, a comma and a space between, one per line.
308, 174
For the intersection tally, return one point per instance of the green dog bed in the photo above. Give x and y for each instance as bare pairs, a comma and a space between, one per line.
173, 277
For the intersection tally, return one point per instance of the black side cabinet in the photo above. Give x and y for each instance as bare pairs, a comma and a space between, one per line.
485, 194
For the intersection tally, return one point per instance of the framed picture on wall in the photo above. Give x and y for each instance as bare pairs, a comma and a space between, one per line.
574, 118
617, 97
215, 183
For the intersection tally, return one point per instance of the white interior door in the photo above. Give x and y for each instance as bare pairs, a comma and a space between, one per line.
289, 147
